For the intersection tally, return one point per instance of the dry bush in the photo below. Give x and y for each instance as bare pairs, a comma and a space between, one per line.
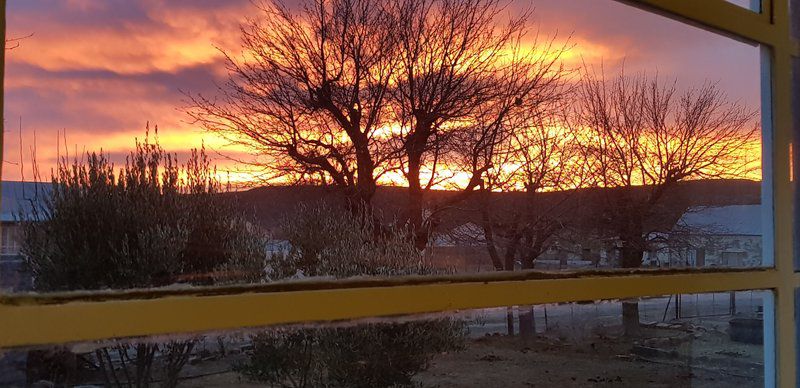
329, 242
151, 223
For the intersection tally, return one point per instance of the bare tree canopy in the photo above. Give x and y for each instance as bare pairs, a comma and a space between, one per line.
309, 93
464, 77
640, 132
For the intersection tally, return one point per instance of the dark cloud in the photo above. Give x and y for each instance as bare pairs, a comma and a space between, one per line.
22, 13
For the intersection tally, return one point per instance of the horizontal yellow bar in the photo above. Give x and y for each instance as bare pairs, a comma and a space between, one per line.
23, 321
316, 284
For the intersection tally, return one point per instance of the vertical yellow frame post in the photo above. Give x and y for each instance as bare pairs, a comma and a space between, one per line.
783, 137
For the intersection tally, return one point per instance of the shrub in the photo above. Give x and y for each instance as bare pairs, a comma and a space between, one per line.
365, 355
329, 242
151, 223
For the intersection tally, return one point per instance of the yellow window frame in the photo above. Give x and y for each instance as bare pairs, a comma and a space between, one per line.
38, 319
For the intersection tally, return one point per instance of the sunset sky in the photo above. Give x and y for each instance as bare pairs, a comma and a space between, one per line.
96, 71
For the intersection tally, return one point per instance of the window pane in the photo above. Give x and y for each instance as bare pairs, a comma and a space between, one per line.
794, 8
797, 323
324, 175
795, 160
711, 340
753, 5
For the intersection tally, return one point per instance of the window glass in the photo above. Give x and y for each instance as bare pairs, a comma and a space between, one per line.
794, 12
795, 160
753, 5
797, 323
605, 137
711, 340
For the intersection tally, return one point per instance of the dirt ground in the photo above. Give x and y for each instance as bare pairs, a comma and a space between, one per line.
509, 362
662, 358
575, 346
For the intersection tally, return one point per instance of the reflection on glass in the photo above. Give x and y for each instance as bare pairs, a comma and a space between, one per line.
612, 148
753, 5
795, 154
797, 323
794, 13
682, 340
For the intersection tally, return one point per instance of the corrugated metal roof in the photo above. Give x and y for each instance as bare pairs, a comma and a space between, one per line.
735, 219
18, 198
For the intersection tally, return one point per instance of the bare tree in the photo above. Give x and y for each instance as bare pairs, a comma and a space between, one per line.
538, 165
641, 139
309, 94
538, 158
463, 74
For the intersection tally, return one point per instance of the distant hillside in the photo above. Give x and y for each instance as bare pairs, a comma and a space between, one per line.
270, 204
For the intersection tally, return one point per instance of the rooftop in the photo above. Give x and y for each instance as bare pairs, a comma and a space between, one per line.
742, 220
18, 198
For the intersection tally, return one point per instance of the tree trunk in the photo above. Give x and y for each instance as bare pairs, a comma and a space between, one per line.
365, 182
510, 320
415, 206
415, 148
359, 200
632, 251
416, 217
630, 318
491, 248
527, 323
488, 232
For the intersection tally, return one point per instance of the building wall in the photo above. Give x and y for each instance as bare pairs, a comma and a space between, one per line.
14, 276
11, 240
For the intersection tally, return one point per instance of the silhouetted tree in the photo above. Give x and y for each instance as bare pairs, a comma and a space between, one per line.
463, 75
309, 94
344, 91
538, 157
637, 131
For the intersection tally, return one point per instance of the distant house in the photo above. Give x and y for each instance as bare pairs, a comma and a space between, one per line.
18, 199
723, 236
573, 252
278, 247
463, 248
